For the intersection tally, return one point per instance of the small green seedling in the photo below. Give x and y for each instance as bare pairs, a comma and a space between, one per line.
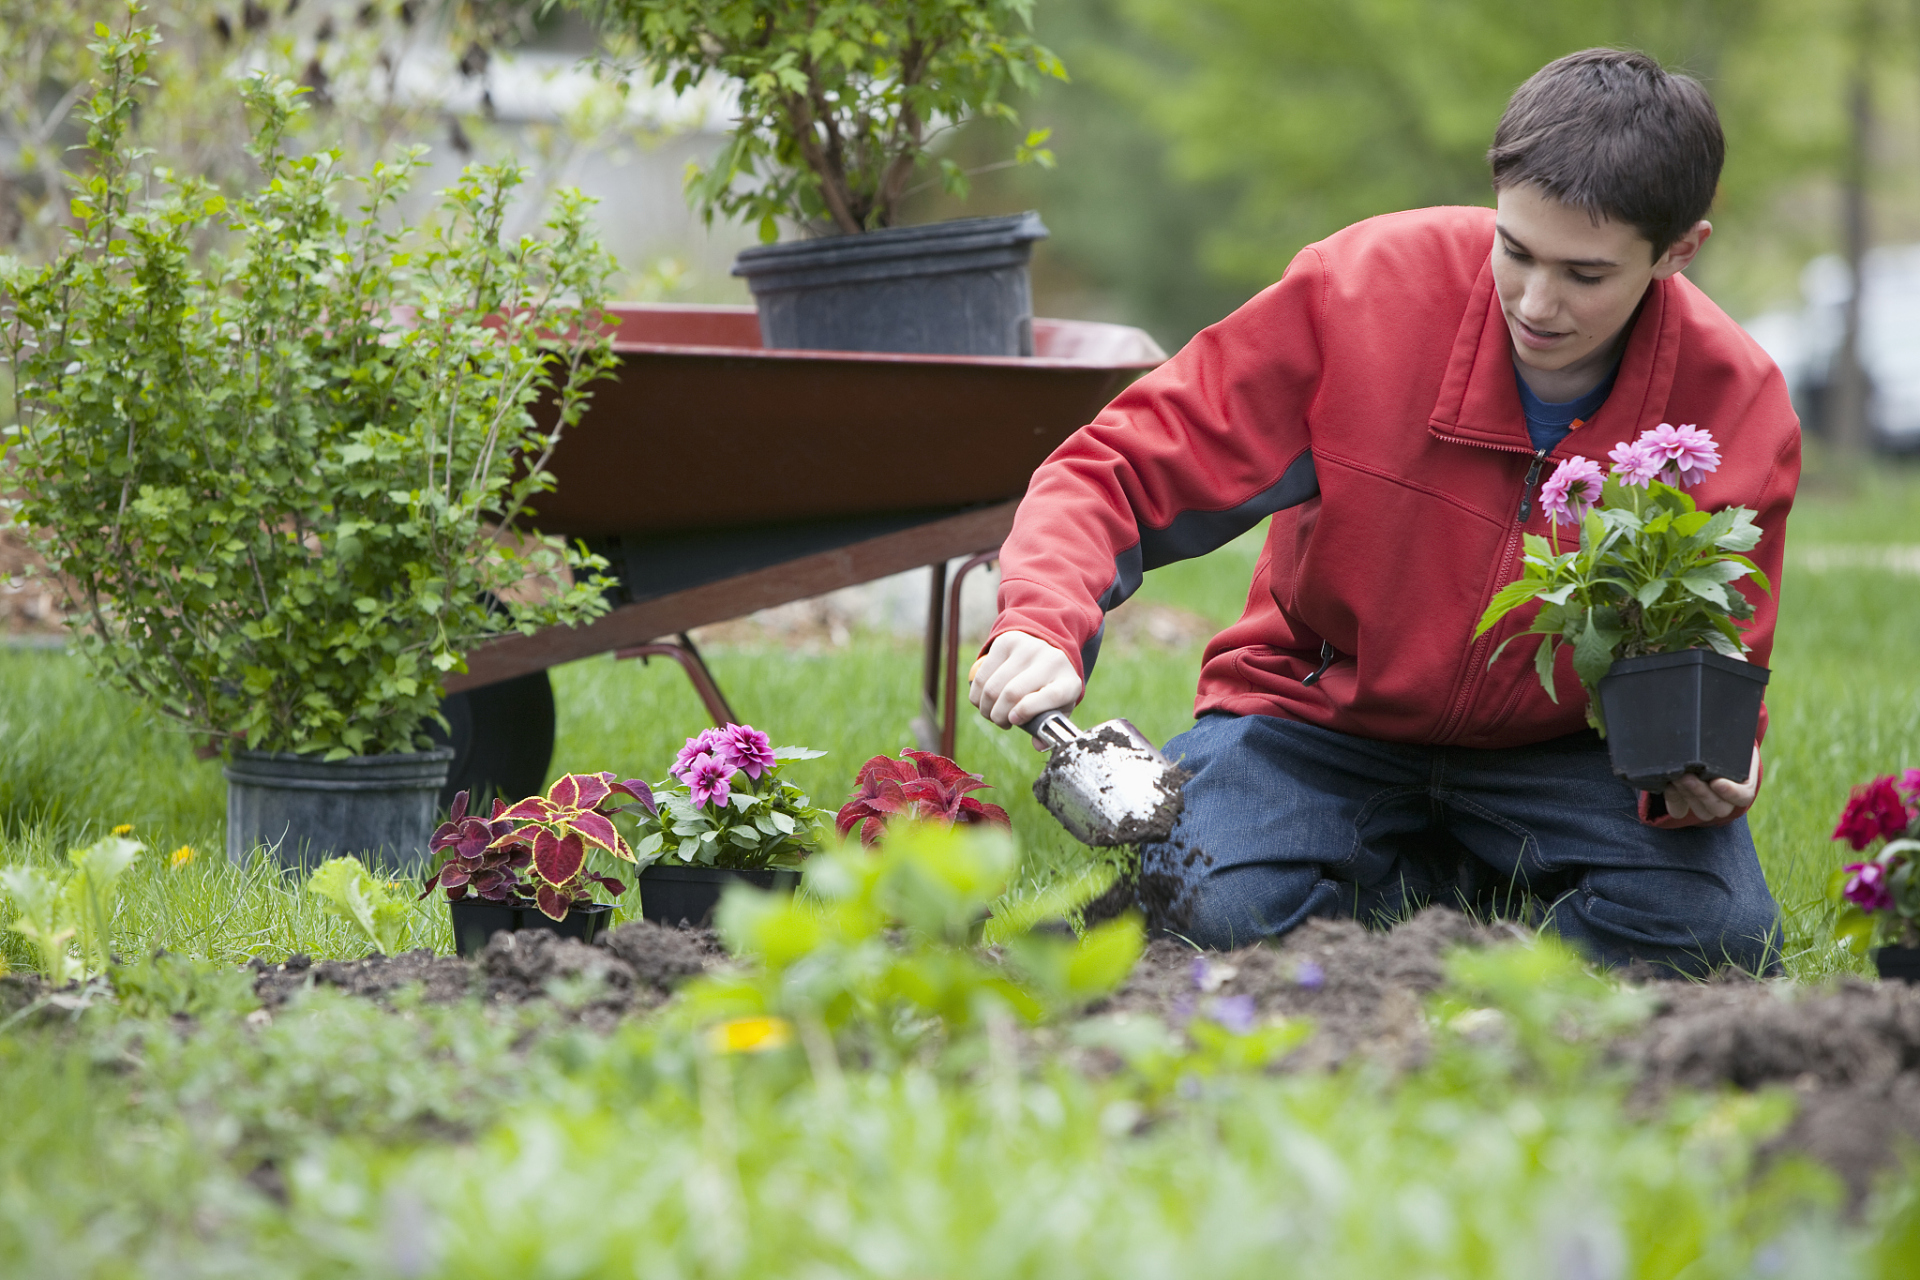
71, 911
352, 893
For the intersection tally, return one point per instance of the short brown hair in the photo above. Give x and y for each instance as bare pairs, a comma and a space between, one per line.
1610, 131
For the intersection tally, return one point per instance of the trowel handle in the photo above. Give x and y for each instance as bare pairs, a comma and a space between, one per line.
1052, 728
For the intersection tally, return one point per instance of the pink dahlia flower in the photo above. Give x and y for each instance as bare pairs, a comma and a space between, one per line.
1688, 450
708, 742
748, 750
1636, 464
1867, 886
710, 779
1571, 489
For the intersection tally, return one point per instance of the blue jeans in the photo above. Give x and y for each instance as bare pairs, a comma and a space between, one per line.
1285, 821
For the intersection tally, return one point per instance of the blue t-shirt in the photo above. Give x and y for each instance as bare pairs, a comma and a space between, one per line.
1549, 423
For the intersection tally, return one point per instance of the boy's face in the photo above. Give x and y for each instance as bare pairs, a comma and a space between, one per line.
1567, 284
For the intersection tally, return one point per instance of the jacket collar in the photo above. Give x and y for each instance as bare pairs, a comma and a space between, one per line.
1478, 404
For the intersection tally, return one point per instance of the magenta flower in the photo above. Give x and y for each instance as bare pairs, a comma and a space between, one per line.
708, 742
1636, 464
747, 749
710, 780
1867, 886
1688, 450
1570, 490
1874, 811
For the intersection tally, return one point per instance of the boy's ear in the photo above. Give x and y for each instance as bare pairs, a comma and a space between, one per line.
1681, 252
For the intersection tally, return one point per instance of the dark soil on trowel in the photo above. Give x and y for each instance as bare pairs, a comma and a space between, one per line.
634, 967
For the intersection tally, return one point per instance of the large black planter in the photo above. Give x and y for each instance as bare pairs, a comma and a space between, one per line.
687, 895
1897, 964
953, 288
475, 921
379, 808
1674, 713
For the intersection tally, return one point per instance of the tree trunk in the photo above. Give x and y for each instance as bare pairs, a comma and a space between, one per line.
1846, 416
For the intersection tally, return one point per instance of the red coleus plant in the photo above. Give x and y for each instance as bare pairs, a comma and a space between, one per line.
536, 851
918, 785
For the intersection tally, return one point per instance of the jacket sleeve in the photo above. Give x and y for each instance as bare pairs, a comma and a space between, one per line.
1185, 460
1772, 506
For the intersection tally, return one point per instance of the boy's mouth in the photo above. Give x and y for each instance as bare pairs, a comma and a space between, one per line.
1539, 339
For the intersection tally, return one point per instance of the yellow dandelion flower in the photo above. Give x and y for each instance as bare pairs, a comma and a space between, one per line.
182, 856
124, 829
750, 1035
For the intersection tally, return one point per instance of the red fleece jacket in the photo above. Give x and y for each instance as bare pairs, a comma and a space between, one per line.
1367, 403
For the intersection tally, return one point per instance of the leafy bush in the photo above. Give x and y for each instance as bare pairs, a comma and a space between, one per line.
281, 486
839, 102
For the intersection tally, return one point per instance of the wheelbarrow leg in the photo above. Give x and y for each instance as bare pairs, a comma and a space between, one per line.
926, 725
682, 651
950, 726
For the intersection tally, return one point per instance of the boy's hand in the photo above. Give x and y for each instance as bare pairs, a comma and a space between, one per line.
1018, 677
1712, 801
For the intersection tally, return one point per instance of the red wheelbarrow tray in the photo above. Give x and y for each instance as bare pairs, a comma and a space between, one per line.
721, 477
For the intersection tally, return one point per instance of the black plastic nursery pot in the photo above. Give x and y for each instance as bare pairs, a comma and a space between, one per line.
476, 920
1670, 714
676, 895
1897, 964
378, 808
953, 288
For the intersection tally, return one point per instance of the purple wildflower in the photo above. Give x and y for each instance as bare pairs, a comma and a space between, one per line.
1636, 464
709, 779
1867, 886
1310, 975
1570, 490
1235, 1013
1198, 972
708, 742
747, 749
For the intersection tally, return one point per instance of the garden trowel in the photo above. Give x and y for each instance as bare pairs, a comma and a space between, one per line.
1108, 786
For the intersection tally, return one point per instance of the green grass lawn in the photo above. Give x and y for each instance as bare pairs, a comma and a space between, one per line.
76, 760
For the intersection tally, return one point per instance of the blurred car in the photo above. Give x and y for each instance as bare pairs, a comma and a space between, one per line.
1804, 342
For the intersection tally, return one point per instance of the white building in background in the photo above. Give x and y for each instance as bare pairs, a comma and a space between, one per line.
571, 129
1803, 342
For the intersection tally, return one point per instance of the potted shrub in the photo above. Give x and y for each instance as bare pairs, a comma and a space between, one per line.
1646, 603
1879, 898
279, 479
724, 815
529, 865
839, 110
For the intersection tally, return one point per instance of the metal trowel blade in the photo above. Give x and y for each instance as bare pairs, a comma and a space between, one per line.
1110, 786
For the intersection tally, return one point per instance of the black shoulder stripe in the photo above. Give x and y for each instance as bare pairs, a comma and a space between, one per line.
1194, 533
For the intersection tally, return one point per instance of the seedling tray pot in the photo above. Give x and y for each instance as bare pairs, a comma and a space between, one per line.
476, 920
1897, 964
960, 287
378, 808
675, 895
1670, 714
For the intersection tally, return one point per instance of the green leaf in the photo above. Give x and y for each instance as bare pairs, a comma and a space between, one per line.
352, 893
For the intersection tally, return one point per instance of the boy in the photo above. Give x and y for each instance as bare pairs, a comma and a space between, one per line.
1393, 403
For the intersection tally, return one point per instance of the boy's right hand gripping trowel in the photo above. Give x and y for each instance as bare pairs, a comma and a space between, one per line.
1108, 786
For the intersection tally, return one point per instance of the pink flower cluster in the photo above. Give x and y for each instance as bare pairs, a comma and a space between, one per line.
1677, 455
711, 757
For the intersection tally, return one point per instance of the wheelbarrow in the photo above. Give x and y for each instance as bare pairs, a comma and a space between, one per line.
719, 477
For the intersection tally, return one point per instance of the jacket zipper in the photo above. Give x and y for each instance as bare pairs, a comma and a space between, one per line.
1476, 659
1327, 654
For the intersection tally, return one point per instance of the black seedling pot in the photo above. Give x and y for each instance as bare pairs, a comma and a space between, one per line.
475, 921
953, 288
674, 895
1692, 712
1897, 964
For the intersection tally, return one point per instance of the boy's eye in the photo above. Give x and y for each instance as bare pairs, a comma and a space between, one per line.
1585, 279
1515, 254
